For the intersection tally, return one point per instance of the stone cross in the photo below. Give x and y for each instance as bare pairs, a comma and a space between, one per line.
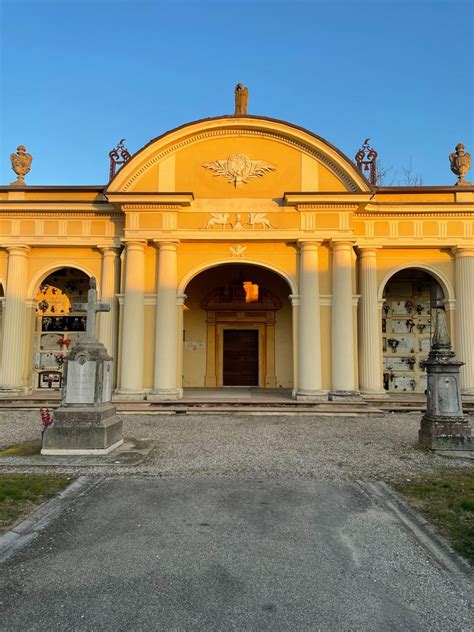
91, 307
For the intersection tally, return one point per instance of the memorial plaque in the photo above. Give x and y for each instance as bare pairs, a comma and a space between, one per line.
425, 344
48, 360
399, 326
398, 307
107, 382
396, 363
50, 341
404, 383
406, 343
80, 386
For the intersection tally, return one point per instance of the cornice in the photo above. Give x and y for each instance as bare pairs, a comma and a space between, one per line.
151, 199
321, 200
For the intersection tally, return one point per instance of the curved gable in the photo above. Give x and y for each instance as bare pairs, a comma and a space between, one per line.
241, 157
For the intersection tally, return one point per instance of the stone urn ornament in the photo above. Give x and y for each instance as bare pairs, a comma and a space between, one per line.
460, 164
21, 163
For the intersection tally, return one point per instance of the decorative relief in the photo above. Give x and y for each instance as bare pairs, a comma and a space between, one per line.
21, 163
239, 169
237, 251
254, 220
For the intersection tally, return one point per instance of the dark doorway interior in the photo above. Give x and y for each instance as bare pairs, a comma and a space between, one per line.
240, 357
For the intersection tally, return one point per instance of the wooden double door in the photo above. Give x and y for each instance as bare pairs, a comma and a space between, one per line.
240, 357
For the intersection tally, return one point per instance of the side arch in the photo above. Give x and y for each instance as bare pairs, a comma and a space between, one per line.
50, 269
215, 264
437, 274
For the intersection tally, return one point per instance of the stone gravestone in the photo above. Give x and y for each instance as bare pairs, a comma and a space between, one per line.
86, 421
444, 426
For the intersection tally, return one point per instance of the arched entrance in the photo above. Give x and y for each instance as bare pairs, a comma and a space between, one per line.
408, 298
237, 329
57, 325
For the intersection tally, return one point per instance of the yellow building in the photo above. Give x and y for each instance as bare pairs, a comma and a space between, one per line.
238, 251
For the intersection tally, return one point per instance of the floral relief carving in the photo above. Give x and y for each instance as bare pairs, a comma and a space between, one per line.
239, 169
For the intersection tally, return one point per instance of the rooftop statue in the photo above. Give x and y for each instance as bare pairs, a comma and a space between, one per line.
241, 100
21, 162
460, 164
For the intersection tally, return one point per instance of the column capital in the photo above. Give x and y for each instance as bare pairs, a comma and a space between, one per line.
180, 299
342, 244
134, 244
309, 244
109, 249
294, 299
18, 249
367, 251
166, 244
463, 251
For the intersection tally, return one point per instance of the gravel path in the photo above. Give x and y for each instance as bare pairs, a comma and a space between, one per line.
257, 446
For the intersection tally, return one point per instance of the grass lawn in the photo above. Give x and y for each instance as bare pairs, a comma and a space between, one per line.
20, 494
447, 500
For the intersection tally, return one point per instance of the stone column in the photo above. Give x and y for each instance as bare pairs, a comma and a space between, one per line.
342, 326
464, 279
180, 299
165, 386
309, 339
131, 369
295, 306
14, 324
370, 342
109, 287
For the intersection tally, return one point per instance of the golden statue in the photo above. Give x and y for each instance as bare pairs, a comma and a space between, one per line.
21, 162
241, 100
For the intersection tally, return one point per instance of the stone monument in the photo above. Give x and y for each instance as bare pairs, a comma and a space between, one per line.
444, 426
86, 421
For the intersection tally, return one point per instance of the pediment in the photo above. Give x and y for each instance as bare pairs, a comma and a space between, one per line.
238, 157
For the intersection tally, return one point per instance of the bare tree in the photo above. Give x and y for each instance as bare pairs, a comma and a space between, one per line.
410, 178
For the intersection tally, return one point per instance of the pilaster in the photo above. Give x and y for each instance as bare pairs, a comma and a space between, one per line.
109, 285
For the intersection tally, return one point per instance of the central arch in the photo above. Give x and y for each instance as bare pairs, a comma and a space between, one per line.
237, 326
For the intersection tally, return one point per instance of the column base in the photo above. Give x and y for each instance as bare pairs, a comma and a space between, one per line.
346, 396
128, 395
452, 433
7, 392
376, 394
311, 396
165, 394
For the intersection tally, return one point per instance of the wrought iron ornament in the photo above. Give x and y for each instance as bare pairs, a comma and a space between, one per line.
118, 157
366, 160
460, 164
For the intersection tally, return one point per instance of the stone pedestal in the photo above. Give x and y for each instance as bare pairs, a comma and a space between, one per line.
444, 426
86, 422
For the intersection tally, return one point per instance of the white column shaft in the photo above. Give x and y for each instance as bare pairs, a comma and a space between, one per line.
109, 284
342, 327
166, 323
309, 339
464, 271
14, 326
370, 358
131, 378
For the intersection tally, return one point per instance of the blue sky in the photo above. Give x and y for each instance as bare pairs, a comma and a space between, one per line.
78, 75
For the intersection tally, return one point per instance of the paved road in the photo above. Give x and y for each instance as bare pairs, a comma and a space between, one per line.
217, 554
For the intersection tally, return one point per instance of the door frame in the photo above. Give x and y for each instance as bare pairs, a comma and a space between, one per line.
260, 327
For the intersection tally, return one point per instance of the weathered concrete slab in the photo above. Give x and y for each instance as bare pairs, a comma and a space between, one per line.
208, 554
